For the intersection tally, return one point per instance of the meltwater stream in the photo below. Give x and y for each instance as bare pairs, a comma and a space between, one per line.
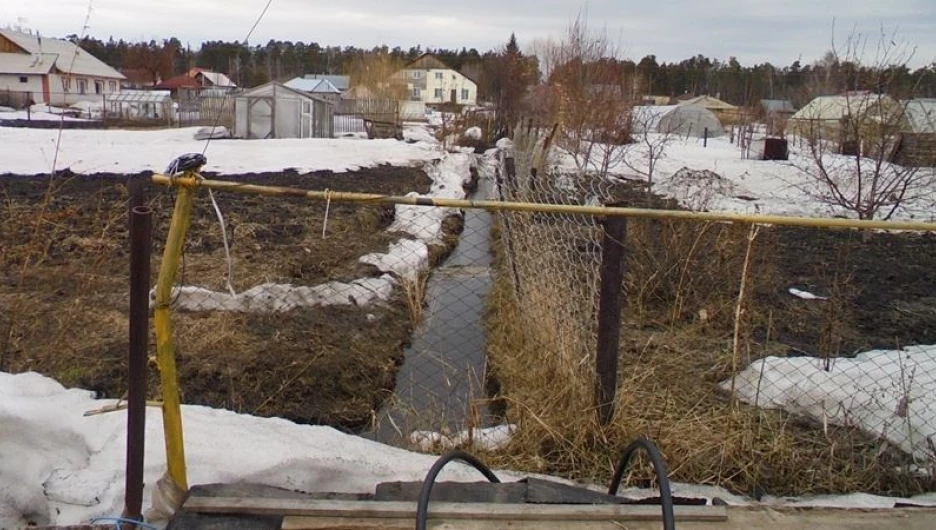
442, 376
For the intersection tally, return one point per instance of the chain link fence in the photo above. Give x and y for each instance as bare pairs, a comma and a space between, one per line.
420, 325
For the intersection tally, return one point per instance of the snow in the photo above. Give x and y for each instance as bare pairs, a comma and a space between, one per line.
59, 467
277, 298
448, 180
405, 259
488, 439
887, 393
744, 185
31, 151
805, 295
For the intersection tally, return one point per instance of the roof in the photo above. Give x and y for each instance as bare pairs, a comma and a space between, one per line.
341, 82
179, 81
427, 61
61, 55
316, 86
837, 107
217, 79
921, 113
708, 102
778, 105
140, 96
26, 64
280, 89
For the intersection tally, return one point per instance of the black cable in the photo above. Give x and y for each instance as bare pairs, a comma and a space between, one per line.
666, 494
422, 505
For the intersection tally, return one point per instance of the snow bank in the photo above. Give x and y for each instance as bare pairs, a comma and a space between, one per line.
406, 258
448, 180
279, 298
30, 152
60, 467
886, 393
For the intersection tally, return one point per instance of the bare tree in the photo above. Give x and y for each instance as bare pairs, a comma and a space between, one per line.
651, 141
847, 158
589, 96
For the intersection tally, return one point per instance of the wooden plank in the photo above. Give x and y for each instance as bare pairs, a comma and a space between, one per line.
478, 511
331, 523
529, 490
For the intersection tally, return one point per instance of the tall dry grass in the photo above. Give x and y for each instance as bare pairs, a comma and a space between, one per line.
688, 326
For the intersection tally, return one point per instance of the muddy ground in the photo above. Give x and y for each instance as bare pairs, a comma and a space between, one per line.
63, 293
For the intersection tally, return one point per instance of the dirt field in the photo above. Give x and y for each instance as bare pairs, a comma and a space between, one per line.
63, 293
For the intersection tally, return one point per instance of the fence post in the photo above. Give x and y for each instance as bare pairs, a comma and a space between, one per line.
610, 302
140, 247
165, 345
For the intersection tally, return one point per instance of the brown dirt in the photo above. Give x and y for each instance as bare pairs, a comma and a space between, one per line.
63, 293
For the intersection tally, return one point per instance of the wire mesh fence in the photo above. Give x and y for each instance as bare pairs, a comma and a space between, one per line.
763, 359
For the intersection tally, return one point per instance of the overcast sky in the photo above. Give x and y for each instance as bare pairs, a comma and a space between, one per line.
754, 31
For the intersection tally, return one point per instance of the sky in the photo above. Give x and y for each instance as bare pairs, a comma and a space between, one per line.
754, 31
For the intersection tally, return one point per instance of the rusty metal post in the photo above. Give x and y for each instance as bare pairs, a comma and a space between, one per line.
141, 233
610, 303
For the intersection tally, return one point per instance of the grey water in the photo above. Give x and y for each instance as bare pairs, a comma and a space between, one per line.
440, 386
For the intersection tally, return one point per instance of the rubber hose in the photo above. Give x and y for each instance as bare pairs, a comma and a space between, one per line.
422, 505
666, 494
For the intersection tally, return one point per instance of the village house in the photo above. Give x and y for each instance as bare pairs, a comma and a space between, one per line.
51, 71
432, 82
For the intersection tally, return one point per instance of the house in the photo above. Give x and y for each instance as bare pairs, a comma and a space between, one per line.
654, 99
726, 112
274, 110
432, 82
52, 71
322, 88
209, 79
849, 120
196, 80
917, 144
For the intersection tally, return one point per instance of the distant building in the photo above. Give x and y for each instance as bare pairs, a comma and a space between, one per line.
274, 110
726, 112
322, 88
836, 118
196, 80
341, 82
916, 146
431, 81
139, 78
52, 71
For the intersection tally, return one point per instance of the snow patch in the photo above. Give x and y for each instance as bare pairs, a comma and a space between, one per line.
405, 259
886, 393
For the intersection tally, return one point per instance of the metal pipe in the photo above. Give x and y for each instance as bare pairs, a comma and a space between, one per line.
141, 232
375, 198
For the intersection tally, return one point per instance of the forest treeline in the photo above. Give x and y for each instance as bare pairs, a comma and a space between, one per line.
251, 65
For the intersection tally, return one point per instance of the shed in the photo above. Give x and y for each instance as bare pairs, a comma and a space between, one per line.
724, 111
824, 117
681, 120
274, 110
917, 144
322, 88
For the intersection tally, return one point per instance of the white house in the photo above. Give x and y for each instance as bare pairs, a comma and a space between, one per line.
431, 81
52, 71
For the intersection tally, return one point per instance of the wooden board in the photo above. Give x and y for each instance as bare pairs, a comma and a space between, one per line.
529, 490
467, 511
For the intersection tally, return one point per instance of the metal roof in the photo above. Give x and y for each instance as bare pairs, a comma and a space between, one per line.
27, 64
64, 55
316, 86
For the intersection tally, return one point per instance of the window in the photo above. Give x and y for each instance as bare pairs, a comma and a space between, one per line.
417, 74
66, 84
465, 94
82, 86
112, 86
417, 93
438, 75
24, 79
438, 93
99, 87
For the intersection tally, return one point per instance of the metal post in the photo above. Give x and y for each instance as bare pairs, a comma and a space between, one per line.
705, 137
610, 302
140, 249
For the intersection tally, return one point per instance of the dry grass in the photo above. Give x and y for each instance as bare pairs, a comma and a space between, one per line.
672, 362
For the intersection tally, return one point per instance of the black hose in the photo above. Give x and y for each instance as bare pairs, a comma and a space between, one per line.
422, 505
666, 494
